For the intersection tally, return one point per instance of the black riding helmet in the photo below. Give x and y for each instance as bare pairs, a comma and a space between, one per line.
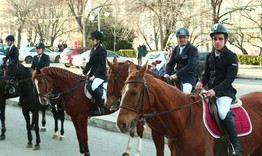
10, 38
218, 29
182, 31
40, 45
96, 35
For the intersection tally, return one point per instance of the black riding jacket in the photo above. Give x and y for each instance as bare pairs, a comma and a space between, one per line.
220, 72
12, 55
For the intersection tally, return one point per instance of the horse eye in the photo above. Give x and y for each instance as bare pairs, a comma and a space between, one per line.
133, 93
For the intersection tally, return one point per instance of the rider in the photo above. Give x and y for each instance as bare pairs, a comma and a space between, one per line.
12, 53
221, 69
185, 57
97, 67
41, 60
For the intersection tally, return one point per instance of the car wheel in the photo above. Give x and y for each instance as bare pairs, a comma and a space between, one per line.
28, 60
57, 59
67, 66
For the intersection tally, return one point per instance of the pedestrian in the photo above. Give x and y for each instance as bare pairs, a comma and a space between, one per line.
40, 60
184, 56
153, 68
168, 49
221, 69
140, 54
12, 53
96, 67
144, 49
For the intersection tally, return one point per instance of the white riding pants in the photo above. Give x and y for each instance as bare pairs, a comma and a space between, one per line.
187, 88
96, 82
223, 106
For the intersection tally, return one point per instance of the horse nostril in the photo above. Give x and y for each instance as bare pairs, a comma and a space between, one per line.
122, 126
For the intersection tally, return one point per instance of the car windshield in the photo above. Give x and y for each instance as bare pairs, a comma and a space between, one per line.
152, 56
68, 51
111, 54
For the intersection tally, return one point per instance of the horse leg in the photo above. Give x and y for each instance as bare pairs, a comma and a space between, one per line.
36, 119
129, 143
159, 141
43, 128
2, 116
139, 130
61, 113
55, 116
28, 127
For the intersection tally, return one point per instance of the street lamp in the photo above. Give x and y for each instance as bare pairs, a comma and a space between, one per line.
92, 18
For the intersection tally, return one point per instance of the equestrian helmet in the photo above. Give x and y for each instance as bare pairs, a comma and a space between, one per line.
96, 35
10, 38
218, 29
40, 45
182, 31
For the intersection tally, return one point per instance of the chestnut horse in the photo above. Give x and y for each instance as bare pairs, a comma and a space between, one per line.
182, 114
117, 74
71, 88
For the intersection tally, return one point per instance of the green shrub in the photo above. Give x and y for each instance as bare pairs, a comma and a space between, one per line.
249, 60
127, 52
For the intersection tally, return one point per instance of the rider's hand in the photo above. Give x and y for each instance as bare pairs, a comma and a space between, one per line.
199, 85
210, 93
166, 75
174, 76
92, 78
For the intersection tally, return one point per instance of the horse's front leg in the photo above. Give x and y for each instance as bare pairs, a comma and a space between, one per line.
55, 116
61, 113
2, 116
36, 119
43, 110
28, 127
159, 141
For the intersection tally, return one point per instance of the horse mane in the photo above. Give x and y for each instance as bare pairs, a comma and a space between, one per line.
61, 72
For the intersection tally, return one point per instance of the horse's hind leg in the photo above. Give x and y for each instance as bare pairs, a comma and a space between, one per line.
61, 113
2, 116
38, 140
43, 128
55, 116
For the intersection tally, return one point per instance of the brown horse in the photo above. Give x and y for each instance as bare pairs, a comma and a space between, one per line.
71, 88
117, 74
182, 114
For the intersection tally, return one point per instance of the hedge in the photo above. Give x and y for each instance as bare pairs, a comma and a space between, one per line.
127, 52
249, 60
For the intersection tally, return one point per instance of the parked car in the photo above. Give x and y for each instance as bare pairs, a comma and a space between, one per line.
82, 59
159, 57
66, 55
28, 53
2, 56
201, 62
3, 47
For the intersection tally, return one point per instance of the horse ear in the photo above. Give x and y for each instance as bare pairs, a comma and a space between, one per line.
109, 64
143, 69
132, 67
115, 60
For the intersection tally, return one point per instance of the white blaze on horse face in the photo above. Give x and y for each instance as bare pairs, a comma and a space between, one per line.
126, 89
36, 85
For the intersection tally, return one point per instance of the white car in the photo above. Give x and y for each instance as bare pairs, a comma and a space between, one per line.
82, 59
159, 57
2, 56
28, 53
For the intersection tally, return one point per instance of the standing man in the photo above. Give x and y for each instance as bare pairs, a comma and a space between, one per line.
97, 70
12, 52
41, 60
221, 69
184, 57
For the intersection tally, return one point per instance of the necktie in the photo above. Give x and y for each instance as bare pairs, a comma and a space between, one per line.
39, 57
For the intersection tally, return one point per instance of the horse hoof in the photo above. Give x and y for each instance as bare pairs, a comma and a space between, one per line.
125, 154
55, 136
36, 147
61, 138
2, 137
43, 129
29, 145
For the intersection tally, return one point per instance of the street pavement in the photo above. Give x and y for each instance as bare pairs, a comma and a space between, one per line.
108, 122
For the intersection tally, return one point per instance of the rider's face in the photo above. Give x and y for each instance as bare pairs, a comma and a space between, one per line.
39, 51
218, 41
182, 40
9, 43
94, 42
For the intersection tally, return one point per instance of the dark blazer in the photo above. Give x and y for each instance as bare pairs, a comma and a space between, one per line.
186, 64
220, 72
97, 63
44, 61
12, 55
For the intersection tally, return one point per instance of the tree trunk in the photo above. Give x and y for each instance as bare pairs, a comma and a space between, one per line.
19, 37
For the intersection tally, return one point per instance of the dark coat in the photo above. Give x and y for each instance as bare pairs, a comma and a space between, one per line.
44, 61
97, 63
220, 72
186, 64
12, 55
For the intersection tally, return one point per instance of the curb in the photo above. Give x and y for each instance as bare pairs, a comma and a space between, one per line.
98, 122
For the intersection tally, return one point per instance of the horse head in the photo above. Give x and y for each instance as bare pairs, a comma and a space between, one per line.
132, 103
117, 73
43, 86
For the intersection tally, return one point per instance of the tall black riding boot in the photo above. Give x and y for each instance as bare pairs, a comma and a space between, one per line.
98, 100
230, 129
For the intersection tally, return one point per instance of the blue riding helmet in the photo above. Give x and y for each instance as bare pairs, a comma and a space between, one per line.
182, 31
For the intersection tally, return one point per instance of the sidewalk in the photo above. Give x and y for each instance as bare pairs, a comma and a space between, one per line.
107, 122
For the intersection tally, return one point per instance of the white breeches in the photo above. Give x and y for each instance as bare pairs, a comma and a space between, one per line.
223, 106
187, 88
96, 82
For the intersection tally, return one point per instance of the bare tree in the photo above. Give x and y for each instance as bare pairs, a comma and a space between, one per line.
238, 39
